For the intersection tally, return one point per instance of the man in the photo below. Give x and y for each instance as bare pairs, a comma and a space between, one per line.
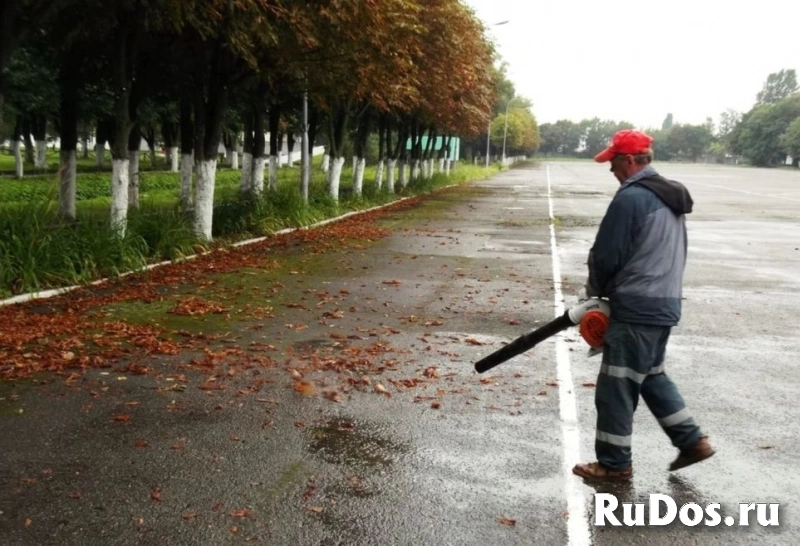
637, 262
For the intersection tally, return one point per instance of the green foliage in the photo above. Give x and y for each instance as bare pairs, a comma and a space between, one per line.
759, 135
790, 140
778, 86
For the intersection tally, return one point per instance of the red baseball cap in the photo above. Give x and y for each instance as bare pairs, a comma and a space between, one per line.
626, 142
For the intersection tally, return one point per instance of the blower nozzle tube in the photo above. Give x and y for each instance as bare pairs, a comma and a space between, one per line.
524, 342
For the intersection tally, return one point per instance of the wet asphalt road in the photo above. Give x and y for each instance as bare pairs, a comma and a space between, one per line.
447, 456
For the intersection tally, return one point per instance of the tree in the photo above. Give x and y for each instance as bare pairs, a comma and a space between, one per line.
667, 123
758, 136
790, 140
778, 86
728, 120
598, 134
689, 141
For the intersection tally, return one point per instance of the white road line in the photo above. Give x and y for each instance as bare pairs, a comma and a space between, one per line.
781, 197
578, 523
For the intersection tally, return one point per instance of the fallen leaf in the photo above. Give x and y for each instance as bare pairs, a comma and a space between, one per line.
508, 521
155, 494
436, 405
381, 389
28, 522
473, 341
305, 388
141, 443
766, 447
431, 372
122, 418
333, 396
589, 384
393, 282
189, 515
233, 529
74, 495
552, 383
295, 374
243, 513
315, 509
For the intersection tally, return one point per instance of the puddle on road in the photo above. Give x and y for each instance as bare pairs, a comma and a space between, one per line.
354, 443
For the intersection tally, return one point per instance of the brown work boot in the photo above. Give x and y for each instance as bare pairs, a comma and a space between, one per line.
701, 451
596, 471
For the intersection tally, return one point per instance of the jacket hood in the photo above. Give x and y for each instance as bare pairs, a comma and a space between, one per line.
672, 193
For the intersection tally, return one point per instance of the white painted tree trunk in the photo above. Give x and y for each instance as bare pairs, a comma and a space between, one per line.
403, 174
379, 175
187, 166
290, 159
431, 167
67, 176
390, 175
246, 183
228, 156
447, 163
41, 154
258, 174
326, 163
273, 172
336, 177
100, 154
415, 169
358, 176
204, 200
355, 163
19, 166
120, 169
234, 159
441, 165
173, 159
133, 180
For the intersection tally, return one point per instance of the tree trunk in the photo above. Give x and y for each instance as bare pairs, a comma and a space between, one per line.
390, 175
119, 194
101, 135
187, 153
326, 162
204, 202
259, 146
134, 144
274, 145
123, 81
68, 121
379, 175
338, 126
246, 181
290, 142
39, 130
211, 103
358, 182
16, 139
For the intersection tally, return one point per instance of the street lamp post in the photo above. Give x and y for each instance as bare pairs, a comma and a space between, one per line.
489, 130
488, 140
505, 129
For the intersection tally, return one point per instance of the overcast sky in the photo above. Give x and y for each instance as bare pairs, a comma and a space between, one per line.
638, 61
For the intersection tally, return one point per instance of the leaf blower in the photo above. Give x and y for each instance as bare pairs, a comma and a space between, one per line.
591, 317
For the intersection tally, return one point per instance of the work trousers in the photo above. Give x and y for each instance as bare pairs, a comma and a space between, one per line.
633, 365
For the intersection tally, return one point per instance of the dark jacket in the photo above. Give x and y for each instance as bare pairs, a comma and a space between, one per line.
639, 255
